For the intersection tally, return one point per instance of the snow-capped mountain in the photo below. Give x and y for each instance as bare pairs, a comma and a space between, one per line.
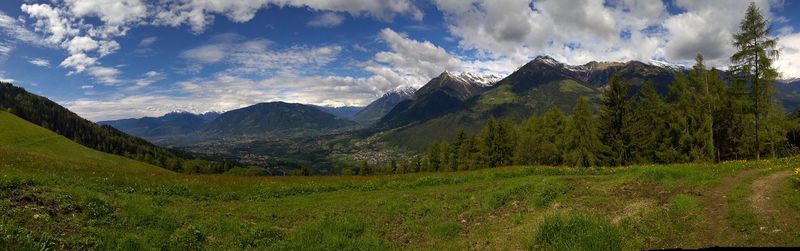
384, 104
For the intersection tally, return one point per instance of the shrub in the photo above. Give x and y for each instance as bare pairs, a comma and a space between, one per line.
575, 231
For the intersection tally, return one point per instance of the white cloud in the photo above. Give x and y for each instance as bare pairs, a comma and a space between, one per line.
40, 62
79, 62
149, 78
14, 29
148, 41
706, 27
255, 55
52, 21
81, 44
5, 49
111, 12
198, 14
789, 61
328, 19
105, 75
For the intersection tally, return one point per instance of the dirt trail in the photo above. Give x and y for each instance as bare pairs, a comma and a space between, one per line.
764, 205
719, 232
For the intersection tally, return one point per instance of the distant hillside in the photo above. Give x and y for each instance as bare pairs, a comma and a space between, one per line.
273, 117
443, 94
347, 112
530, 90
381, 106
171, 124
48, 114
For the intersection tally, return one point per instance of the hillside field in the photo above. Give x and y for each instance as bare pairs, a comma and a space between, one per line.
56, 194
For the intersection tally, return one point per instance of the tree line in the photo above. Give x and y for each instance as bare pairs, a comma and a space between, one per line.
704, 117
48, 114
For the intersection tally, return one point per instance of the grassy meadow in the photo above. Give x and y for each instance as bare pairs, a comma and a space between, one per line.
56, 194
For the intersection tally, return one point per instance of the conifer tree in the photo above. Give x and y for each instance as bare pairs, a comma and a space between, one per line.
444, 157
583, 141
698, 113
649, 128
753, 63
614, 119
456, 159
489, 154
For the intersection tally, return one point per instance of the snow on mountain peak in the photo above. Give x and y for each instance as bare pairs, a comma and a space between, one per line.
467, 77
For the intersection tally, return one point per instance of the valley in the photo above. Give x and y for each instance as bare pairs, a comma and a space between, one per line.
58, 195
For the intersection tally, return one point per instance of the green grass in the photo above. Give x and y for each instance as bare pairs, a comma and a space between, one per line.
575, 231
498, 96
55, 194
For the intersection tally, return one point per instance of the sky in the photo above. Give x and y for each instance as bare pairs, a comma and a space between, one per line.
113, 59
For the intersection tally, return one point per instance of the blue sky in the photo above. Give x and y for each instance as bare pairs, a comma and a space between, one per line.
109, 59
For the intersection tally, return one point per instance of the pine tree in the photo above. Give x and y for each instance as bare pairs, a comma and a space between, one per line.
699, 108
489, 154
649, 138
753, 62
614, 119
456, 159
432, 161
583, 140
444, 157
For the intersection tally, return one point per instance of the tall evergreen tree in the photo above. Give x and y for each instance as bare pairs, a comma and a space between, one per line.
753, 62
698, 112
456, 159
649, 138
614, 119
583, 140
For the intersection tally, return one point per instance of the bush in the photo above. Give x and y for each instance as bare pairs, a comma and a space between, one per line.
575, 231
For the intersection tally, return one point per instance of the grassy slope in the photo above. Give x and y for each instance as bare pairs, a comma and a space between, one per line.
54, 193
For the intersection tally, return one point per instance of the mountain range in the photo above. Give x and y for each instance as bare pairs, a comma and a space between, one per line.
441, 95
412, 118
174, 123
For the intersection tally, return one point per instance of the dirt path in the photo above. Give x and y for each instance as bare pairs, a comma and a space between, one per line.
719, 232
763, 204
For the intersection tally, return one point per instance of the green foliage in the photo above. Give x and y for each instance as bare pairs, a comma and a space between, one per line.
583, 143
576, 231
48, 114
753, 63
615, 119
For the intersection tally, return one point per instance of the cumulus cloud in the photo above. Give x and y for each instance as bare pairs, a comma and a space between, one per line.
79, 62
40, 62
706, 27
199, 14
328, 19
789, 61
64, 23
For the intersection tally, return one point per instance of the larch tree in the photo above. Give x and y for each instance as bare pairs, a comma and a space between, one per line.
753, 62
